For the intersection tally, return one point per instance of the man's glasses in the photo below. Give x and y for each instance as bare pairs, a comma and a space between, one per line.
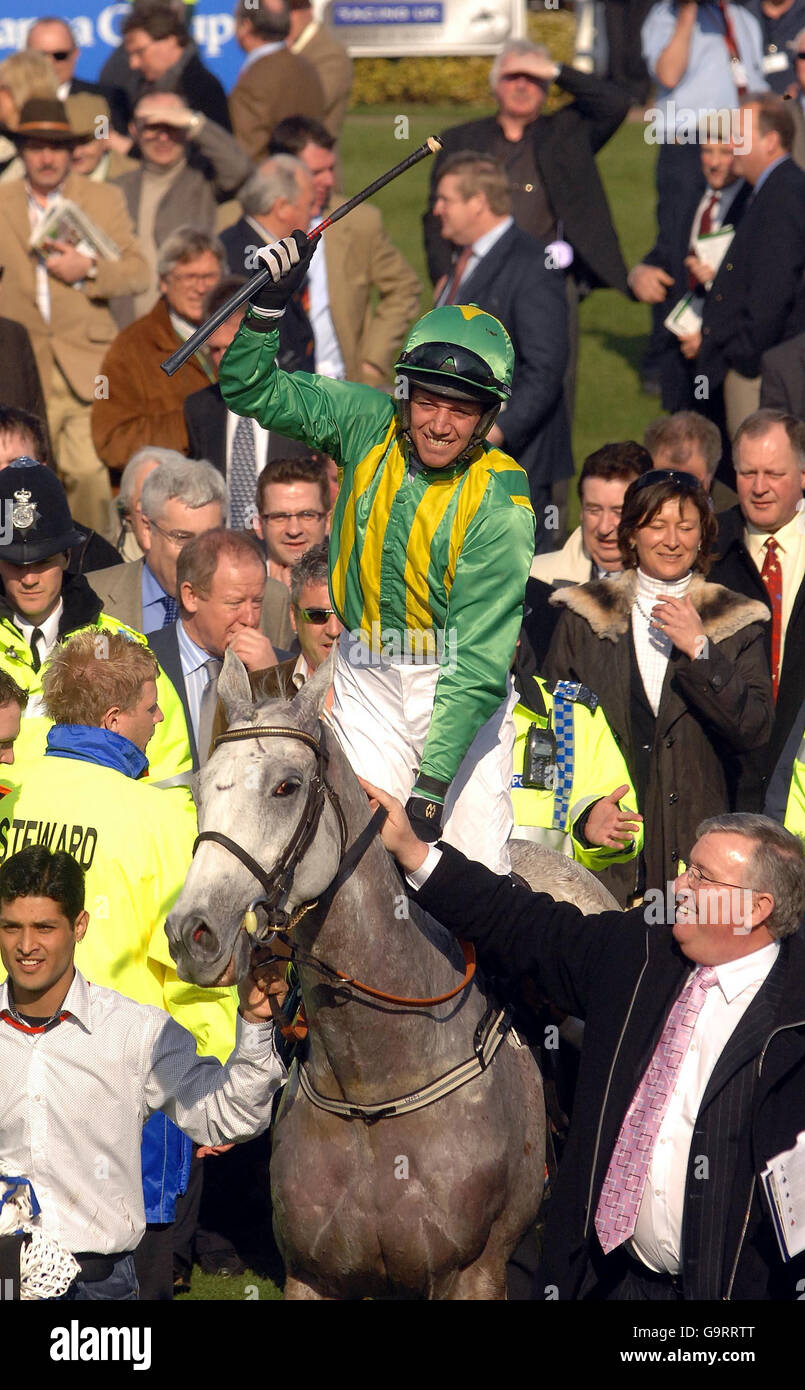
696, 876
189, 277
282, 518
179, 538
318, 616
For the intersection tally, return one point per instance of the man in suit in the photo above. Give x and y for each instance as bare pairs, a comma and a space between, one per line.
234, 444
273, 82
782, 376
142, 405
761, 553
507, 273
753, 302
669, 1091
355, 340
158, 45
671, 268
220, 581
181, 498
687, 441
188, 166
332, 62
278, 197
54, 39
62, 295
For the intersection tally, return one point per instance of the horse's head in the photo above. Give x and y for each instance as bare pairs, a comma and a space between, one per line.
256, 792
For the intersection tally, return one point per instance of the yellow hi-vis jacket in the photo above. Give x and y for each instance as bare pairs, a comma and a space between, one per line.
169, 748
588, 765
135, 844
795, 810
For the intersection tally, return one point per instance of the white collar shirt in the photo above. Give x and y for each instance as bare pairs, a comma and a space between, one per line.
791, 555
194, 669
44, 646
657, 1236
480, 248
329, 358
36, 212
76, 1097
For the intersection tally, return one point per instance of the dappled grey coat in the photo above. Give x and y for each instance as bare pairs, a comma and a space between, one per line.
711, 710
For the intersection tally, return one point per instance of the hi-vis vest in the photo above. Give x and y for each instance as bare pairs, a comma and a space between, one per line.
795, 810
588, 765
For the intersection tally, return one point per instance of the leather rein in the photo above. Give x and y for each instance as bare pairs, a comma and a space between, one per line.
277, 884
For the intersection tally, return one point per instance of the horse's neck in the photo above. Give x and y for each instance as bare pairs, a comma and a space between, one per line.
372, 933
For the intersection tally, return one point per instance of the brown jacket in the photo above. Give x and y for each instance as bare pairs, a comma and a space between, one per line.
143, 406
334, 67
275, 86
711, 710
360, 258
81, 326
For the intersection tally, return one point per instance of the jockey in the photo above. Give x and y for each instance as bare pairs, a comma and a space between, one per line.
432, 540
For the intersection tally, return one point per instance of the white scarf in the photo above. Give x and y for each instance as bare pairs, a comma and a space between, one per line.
652, 646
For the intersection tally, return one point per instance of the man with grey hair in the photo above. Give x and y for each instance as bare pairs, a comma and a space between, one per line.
692, 1073
181, 498
188, 165
141, 405
687, 441
141, 463
557, 193
273, 82
276, 199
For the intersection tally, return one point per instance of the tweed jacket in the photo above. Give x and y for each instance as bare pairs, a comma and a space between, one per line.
711, 710
334, 67
120, 590
275, 86
81, 326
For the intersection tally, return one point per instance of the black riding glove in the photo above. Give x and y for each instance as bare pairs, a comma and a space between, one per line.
288, 261
425, 807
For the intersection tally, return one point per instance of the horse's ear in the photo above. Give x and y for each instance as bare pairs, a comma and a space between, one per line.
233, 683
309, 702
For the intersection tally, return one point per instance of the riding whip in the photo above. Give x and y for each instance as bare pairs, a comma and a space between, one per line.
264, 277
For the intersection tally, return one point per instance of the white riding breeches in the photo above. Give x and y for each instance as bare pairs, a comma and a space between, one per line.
381, 713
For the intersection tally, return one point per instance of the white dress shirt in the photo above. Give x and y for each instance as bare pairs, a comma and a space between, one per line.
44, 646
76, 1097
329, 359
791, 555
658, 1231
719, 217
36, 213
194, 669
479, 249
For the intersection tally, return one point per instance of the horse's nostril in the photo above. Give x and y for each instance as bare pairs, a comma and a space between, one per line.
199, 933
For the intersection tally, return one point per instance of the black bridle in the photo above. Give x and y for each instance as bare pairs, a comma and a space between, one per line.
277, 884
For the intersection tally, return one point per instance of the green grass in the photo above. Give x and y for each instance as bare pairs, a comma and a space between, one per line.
609, 404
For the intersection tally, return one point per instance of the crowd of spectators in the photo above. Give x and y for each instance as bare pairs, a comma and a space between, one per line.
667, 631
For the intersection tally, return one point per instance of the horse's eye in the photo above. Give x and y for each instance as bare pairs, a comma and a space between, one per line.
288, 787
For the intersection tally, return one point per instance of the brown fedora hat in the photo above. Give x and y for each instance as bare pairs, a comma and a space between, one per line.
46, 119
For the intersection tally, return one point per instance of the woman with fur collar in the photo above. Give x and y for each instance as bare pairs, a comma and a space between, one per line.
678, 664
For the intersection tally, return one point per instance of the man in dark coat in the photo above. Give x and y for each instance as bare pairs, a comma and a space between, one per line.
731, 1099
512, 276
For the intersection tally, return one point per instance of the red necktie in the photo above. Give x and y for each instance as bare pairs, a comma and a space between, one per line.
458, 272
772, 576
705, 226
622, 1192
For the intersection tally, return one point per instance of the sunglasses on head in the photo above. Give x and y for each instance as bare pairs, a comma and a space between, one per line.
686, 482
318, 616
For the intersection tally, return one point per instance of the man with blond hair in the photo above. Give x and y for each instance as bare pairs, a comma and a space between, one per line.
134, 841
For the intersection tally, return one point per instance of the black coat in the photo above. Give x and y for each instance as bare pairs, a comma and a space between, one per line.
565, 144
194, 82
622, 977
21, 384
205, 415
296, 350
512, 282
735, 568
756, 300
164, 643
669, 252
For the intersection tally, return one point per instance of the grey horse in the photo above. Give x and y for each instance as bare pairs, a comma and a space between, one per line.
422, 1204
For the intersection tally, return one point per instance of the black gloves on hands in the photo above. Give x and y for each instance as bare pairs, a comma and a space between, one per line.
288, 261
425, 815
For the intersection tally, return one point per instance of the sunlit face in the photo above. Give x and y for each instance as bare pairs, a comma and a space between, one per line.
718, 165
151, 57
519, 96
316, 638
135, 515
757, 150
768, 480
37, 942
441, 428
719, 911
321, 165
46, 166
667, 546
234, 602
34, 590
292, 519
140, 719
55, 42
601, 506
694, 463
10, 718
87, 157
164, 538
188, 284
458, 215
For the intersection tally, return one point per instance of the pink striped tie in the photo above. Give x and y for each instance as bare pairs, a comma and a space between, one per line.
622, 1192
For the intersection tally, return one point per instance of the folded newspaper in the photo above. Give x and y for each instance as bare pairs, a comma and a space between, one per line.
66, 221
